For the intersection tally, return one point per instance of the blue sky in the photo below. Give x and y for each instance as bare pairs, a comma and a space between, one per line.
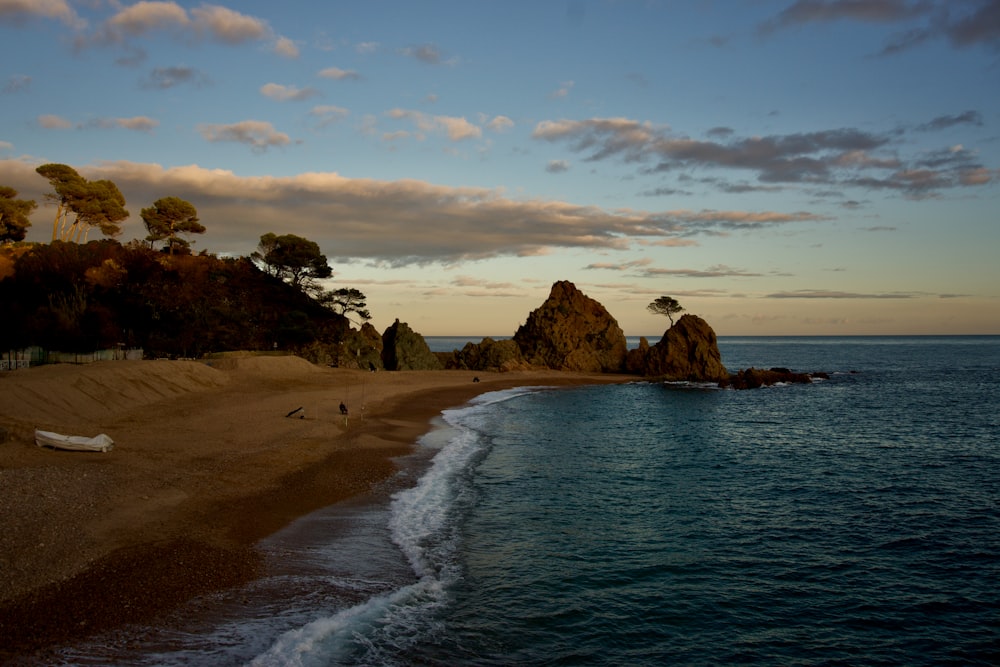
779, 167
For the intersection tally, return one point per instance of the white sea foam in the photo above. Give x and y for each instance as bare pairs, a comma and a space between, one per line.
422, 525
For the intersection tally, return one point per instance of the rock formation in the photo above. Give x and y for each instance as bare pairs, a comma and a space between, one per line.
689, 350
572, 332
361, 349
405, 350
754, 378
488, 355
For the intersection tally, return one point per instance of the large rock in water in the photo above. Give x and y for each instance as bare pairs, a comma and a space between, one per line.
403, 349
572, 332
689, 350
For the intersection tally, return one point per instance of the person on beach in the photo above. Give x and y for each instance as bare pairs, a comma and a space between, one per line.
343, 408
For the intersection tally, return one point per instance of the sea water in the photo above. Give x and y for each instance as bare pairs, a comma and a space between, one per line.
854, 520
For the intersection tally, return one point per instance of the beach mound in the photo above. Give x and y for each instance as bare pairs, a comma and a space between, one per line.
46, 396
265, 367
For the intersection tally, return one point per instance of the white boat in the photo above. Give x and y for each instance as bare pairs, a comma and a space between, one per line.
79, 443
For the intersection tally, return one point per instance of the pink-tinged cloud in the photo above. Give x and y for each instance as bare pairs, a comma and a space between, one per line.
54, 122
338, 74
455, 128
283, 93
285, 47
16, 11
393, 222
229, 26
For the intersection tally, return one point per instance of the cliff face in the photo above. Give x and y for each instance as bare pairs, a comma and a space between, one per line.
688, 350
403, 349
572, 332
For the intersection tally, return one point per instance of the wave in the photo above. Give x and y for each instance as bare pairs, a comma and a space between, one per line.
424, 526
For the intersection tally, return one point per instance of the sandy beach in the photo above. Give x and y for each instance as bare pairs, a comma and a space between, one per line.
206, 462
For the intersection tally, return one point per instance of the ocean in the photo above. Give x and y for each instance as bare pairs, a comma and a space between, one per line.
852, 521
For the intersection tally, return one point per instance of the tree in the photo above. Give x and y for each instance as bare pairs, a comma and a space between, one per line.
167, 219
346, 300
295, 260
665, 305
14, 212
95, 203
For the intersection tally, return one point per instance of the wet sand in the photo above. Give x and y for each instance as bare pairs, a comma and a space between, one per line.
206, 462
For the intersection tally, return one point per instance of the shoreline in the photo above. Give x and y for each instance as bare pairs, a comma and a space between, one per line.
205, 465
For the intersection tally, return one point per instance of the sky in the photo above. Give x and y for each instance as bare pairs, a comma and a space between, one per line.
806, 167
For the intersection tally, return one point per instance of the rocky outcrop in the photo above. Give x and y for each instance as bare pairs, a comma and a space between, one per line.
689, 350
754, 378
360, 349
500, 356
572, 332
403, 349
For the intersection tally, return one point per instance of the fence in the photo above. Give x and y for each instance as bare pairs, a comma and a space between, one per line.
35, 356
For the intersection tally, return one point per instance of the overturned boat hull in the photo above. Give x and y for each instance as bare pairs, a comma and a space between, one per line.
78, 443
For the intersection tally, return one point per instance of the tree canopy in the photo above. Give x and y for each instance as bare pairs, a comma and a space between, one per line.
94, 203
14, 212
347, 300
80, 297
167, 219
665, 305
296, 260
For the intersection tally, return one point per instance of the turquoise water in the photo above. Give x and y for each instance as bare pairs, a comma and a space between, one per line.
851, 521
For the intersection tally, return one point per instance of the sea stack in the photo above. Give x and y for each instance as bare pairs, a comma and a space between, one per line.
689, 351
572, 332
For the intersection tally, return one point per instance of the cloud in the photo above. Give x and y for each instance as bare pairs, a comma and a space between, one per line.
670, 243
967, 24
282, 93
366, 48
328, 114
136, 123
54, 122
500, 124
868, 11
142, 17
169, 77
562, 91
18, 83
285, 48
428, 54
207, 21
842, 156
456, 128
258, 134
619, 266
475, 287
717, 271
229, 26
387, 222
978, 176
338, 74
557, 166
944, 122
17, 11
829, 294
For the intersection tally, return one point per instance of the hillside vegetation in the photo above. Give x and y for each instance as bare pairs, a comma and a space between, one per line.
81, 297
